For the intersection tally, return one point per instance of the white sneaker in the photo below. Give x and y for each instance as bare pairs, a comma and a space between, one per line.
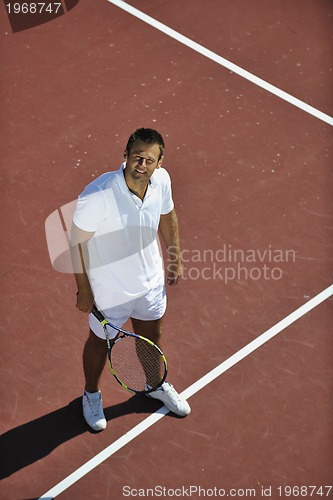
172, 400
92, 405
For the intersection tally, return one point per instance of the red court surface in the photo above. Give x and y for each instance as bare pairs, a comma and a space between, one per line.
252, 183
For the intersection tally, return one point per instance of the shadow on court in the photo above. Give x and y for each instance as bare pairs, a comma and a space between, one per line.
34, 440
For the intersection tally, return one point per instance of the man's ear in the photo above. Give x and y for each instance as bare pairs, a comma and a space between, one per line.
160, 161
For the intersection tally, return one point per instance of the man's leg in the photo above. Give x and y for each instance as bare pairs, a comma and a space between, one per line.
94, 359
152, 330
166, 393
153, 366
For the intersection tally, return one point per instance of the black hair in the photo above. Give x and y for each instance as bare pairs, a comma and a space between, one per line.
148, 136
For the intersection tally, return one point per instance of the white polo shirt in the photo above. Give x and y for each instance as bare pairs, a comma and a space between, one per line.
125, 260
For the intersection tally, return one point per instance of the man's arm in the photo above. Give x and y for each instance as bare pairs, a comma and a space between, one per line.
170, 233
80, 261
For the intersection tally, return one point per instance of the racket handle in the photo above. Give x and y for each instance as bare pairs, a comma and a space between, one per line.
97, 313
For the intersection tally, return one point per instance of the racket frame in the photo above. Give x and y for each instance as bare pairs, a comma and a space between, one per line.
120, 335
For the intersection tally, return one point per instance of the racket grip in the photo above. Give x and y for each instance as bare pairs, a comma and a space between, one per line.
97, 313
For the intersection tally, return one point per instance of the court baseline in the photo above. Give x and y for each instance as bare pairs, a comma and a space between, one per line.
190, 391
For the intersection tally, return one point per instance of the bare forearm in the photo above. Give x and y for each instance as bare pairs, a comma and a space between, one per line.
80, 265
82, 282
170, 234
85, 297
80, 261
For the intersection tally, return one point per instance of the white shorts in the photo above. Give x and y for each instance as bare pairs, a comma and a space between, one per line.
149, 307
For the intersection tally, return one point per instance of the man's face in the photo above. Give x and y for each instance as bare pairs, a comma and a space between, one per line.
142, 161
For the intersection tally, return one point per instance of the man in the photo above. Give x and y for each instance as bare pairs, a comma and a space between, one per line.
117, 261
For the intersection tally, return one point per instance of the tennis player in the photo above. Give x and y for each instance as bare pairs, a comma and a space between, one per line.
118, 262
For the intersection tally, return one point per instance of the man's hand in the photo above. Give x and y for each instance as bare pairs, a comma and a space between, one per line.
174, 273
85, 300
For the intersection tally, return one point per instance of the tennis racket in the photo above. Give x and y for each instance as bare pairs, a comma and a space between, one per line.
136, 362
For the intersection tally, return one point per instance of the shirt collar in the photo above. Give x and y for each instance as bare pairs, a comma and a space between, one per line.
152, 182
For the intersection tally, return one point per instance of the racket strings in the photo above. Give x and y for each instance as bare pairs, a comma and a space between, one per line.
135, 362
151, 362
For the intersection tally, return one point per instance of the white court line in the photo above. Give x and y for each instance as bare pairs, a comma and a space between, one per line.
222, 61
194, 388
